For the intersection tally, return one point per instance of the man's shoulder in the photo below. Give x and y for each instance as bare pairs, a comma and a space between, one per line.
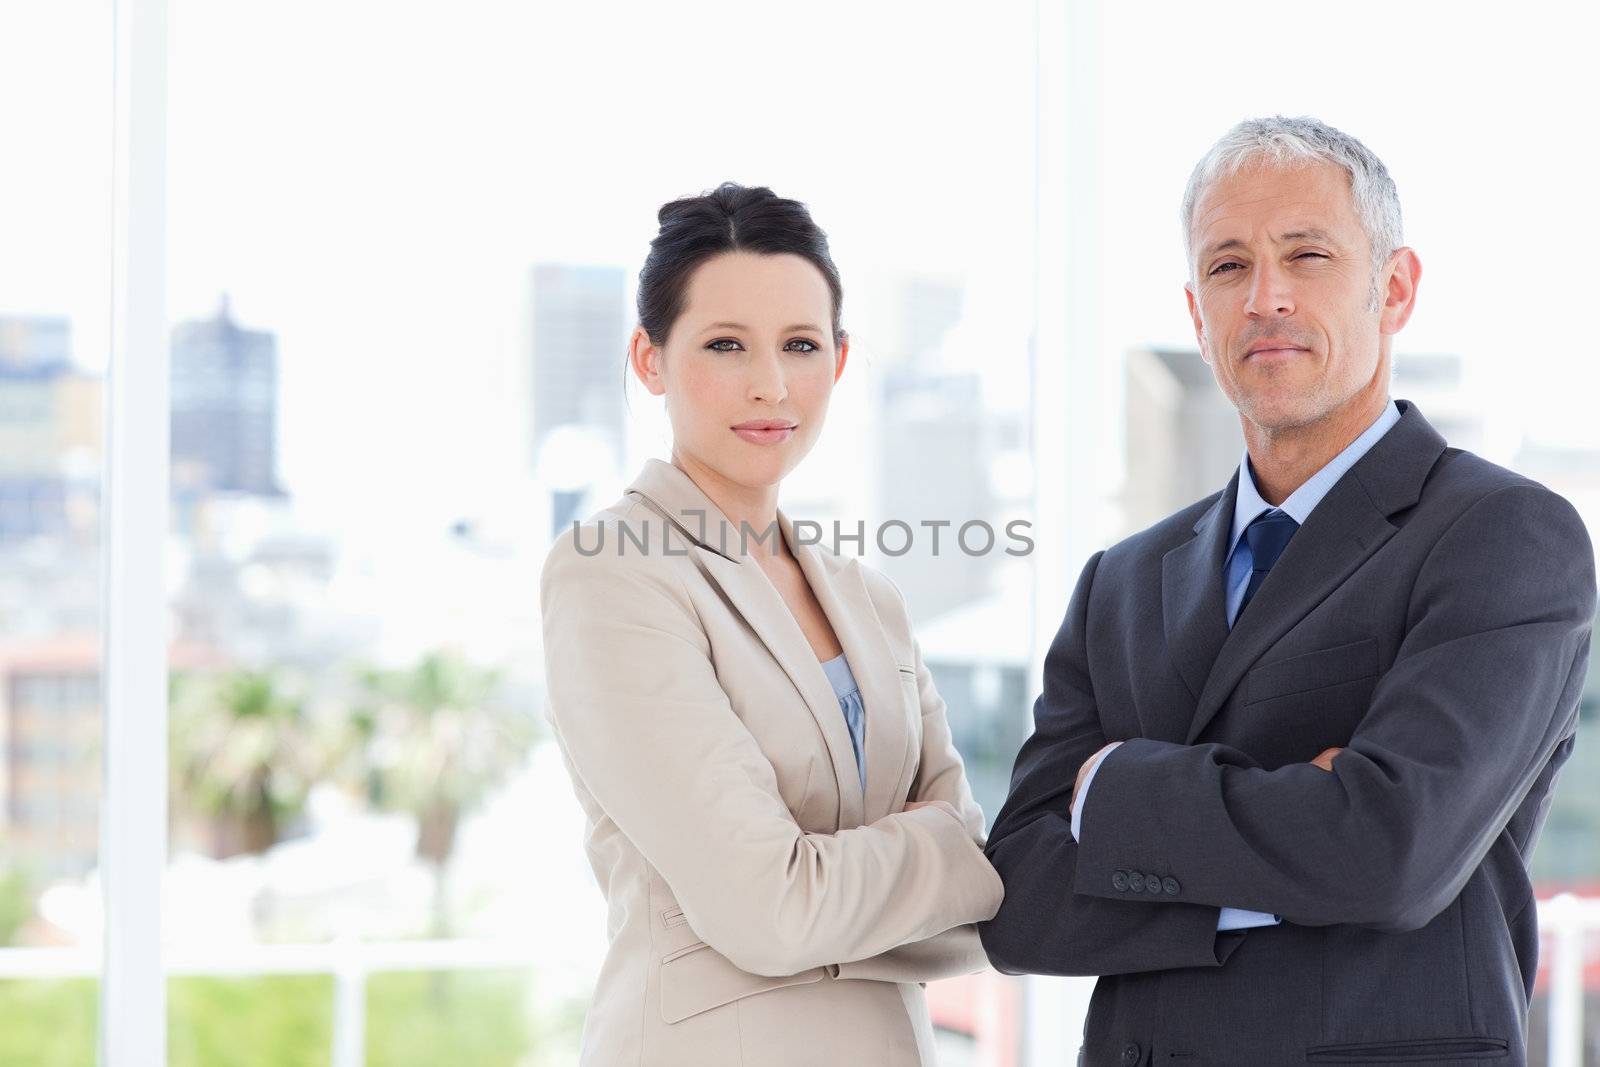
1158, 539
1461, 477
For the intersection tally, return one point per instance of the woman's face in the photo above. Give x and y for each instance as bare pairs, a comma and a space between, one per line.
748, 367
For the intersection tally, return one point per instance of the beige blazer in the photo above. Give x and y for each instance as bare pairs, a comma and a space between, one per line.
762, 910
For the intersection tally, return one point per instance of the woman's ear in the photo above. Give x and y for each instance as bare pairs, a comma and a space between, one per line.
844, 354
645, 359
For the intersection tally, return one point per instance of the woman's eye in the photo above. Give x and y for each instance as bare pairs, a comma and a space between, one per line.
717, 346
810, 346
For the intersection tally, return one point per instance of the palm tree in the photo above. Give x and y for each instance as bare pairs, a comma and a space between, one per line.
244, 753
438, 742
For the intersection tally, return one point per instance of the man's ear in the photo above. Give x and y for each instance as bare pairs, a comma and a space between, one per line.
1400, 291
1199, 326
645, 359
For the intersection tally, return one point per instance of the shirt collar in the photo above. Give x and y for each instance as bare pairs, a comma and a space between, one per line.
1248, 503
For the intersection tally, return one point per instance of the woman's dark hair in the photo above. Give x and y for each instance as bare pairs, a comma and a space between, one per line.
729, 218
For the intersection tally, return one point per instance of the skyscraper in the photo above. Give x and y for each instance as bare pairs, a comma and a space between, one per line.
579, 336
49, 429
224, 407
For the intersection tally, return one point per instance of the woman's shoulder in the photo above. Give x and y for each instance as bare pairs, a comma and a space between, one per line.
624, 542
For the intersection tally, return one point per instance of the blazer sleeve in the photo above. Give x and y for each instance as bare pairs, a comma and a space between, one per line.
636, 704
1045, 925
1482, 691
940, 776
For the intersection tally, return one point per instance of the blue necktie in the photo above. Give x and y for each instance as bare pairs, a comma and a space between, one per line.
1268, 536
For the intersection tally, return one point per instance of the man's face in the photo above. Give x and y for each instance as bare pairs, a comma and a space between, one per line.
1281, 296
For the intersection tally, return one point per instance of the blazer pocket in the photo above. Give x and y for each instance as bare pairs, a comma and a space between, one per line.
1320, 669
697, 978
1421, 1051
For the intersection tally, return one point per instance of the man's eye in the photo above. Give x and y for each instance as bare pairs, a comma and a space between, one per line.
716, 346
810, 346
1315, 255
1222, 267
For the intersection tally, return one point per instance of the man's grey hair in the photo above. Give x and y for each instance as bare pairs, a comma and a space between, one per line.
1280, 140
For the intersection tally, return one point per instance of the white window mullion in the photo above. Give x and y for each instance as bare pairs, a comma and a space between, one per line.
133, 837
1068, 375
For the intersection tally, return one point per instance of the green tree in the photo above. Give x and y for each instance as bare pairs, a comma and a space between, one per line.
438, 739
16, 901
244, 751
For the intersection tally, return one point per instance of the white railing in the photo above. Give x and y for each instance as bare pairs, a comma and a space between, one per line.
1565, 919
350, 962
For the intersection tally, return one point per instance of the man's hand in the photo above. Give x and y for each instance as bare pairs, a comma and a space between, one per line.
1325, 758
1083, 772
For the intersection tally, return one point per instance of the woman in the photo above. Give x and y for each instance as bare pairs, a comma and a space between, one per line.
777, 816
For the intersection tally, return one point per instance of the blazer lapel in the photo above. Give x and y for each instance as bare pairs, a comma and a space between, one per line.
753, 596
1342, 531
1193, 614
672, 495
842, 592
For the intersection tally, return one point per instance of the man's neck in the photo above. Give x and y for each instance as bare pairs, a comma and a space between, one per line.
1282, 460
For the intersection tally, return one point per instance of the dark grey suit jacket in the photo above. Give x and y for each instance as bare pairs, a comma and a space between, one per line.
1432, 616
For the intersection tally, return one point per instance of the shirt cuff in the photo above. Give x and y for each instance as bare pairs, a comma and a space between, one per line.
1239, 919
1083, 790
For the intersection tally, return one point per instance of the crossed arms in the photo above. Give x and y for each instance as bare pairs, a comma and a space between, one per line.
1481, 691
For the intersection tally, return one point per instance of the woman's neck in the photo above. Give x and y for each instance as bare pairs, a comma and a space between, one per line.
755, 506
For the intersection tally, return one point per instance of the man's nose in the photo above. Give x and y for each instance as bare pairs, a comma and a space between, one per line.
766, 378
1269, 293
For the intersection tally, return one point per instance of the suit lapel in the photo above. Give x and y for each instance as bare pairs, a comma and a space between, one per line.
1338, 536
842, 592
1346, 527
753, 596
1193, 613
672, 495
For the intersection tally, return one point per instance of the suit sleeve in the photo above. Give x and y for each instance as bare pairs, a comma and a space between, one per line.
940, 776
1045, 925
637, 707
1482, 691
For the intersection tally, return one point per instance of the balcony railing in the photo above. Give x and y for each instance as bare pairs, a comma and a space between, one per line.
1565, 919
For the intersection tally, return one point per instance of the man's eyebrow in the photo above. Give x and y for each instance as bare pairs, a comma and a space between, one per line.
742, 326
1308, 234
1222, 246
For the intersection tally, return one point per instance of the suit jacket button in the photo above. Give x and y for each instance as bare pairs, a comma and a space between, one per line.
1119, 881
1130, 1054
1170, 885
1136, 882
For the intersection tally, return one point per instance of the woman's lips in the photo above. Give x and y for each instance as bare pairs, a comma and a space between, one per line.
771, 436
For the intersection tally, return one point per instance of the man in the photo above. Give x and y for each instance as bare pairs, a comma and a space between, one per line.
1297, 741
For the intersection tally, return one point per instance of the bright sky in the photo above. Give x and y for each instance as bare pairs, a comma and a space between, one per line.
372, 180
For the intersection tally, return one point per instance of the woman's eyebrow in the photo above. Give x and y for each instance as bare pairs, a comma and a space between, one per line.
742, 326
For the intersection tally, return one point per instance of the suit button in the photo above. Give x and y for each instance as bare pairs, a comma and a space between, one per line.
1119, 881
1136, 882
1170, 885
1130, 1054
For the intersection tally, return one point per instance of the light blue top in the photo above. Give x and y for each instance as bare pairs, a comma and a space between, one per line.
844, 687
1247, 506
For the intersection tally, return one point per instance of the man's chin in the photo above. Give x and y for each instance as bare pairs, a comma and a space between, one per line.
1281, 414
